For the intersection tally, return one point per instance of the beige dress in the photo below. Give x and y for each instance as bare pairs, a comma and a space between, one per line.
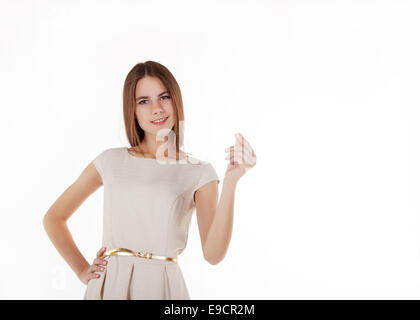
147, 207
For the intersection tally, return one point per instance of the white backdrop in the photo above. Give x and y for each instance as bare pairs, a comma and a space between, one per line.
326, 92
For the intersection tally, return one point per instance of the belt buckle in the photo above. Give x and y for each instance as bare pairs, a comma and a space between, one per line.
146, 255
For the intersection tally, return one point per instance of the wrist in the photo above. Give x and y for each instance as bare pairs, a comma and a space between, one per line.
79, 273
230, 180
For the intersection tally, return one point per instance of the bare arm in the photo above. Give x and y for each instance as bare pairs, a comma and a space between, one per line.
55, 219
215, 216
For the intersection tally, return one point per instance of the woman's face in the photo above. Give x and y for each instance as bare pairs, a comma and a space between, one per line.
153, 102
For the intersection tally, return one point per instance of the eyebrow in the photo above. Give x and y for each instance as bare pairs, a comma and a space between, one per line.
144, 97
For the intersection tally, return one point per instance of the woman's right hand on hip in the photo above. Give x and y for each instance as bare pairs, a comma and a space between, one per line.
98, 265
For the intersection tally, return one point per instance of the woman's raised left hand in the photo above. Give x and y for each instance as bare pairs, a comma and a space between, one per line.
241, 158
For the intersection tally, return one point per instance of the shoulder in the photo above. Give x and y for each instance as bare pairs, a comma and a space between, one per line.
196, 161
104, 160
107, 154
111, 151
206, 173
203, 166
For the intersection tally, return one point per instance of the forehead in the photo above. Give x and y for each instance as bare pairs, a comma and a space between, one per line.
149, 86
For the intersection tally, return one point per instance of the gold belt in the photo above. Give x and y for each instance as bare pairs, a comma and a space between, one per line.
138, 254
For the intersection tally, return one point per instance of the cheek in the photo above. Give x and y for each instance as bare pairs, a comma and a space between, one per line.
172, 112
140, 115
170, 109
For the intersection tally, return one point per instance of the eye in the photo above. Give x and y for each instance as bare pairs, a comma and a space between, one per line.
141, 102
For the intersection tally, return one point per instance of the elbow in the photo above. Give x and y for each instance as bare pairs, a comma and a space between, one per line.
45, 220
212, 256
48, 220
213, 260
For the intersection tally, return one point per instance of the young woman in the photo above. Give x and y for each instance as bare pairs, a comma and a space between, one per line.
150, 193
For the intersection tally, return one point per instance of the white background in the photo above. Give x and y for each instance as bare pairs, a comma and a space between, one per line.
326, 92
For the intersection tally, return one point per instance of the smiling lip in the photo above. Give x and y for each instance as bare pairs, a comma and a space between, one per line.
160, 123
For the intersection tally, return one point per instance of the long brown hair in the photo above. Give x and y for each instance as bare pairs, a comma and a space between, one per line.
134, 132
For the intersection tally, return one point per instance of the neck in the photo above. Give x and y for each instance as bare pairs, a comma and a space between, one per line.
153, 147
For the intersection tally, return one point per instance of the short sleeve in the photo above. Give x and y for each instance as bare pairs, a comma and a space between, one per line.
208, 174
99, 163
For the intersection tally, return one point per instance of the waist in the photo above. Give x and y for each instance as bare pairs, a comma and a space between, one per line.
138, 254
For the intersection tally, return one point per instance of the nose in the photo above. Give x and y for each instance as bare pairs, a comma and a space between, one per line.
157, 108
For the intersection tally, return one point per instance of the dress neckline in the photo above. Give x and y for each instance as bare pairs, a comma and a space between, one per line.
155, 160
